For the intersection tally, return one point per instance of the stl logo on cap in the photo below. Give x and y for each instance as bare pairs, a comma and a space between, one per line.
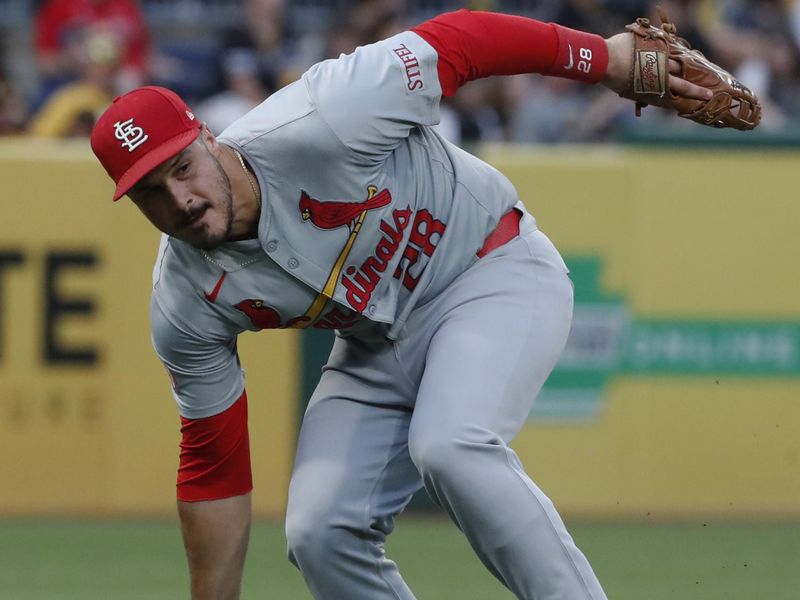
130, 135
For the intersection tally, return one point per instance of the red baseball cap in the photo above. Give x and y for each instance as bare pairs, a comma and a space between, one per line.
139, 131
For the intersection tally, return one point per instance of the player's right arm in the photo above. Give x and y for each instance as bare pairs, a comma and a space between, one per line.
214, 479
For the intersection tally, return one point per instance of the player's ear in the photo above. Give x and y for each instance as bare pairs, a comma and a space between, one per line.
207, 137
208, 140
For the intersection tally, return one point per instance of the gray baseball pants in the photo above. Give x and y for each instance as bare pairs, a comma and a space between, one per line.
438, 408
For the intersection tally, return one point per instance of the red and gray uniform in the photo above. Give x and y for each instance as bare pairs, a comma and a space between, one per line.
376, 227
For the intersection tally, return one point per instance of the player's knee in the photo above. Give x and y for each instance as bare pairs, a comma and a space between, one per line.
305, 539
314, 547
435, 456
312, 534
441, 454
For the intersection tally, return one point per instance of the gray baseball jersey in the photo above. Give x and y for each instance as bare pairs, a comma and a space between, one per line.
370, 225
366, 212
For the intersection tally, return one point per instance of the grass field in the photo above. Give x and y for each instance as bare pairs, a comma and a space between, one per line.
123, 560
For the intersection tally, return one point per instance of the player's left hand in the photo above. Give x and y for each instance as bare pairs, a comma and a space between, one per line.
652, 65
620, 65
684, 88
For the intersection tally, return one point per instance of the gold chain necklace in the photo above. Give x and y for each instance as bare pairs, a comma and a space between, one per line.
236, 266
253, 187
240, 265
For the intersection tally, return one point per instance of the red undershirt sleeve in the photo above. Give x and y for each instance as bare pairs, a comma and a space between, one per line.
473, 44
215, 455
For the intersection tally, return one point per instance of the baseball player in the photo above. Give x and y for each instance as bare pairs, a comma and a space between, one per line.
335, 205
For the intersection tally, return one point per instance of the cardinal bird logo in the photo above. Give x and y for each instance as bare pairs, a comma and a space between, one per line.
333, 214
262, 316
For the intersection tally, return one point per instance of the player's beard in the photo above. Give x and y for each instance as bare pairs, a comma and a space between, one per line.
223, 209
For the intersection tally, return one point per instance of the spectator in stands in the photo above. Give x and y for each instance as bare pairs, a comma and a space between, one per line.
62, 28
790, 84
257, 57
263, 54
477, 108
363, 22
276, 53
757, 41
72, 109
544, 110
13, 110
244, 90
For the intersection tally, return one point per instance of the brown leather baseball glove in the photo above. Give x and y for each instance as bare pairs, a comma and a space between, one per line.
732, 105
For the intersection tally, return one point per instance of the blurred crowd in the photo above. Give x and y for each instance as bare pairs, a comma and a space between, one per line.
85, 52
